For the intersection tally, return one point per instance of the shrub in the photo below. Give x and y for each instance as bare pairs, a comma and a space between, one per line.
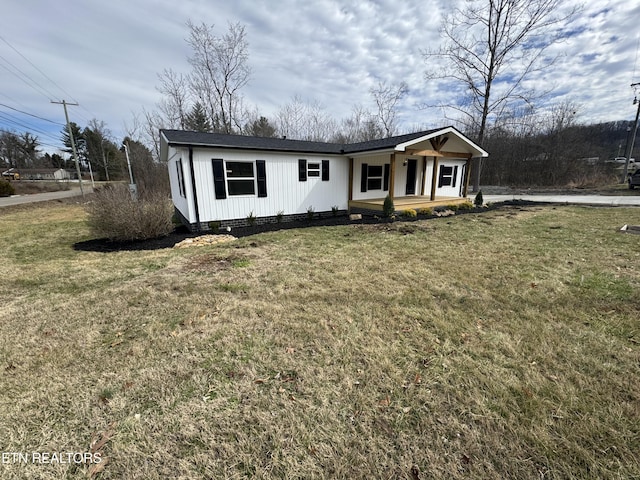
279, 216
409, 213
310, 212
115, 215
388, 208
465, 206
428, 211
478, 201
214, 226
6, 189
251, 219
334, 210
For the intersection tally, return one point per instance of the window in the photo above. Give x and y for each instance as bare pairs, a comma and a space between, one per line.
448, 176
374, 177
240, 178
181, 186
313, 170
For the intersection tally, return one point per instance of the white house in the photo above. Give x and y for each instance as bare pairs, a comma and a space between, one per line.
227, 178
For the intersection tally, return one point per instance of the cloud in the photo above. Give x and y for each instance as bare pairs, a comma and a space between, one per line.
106, 55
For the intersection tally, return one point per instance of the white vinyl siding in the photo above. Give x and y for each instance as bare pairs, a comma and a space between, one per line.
285, 192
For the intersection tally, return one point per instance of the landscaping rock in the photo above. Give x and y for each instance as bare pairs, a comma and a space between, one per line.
204, 240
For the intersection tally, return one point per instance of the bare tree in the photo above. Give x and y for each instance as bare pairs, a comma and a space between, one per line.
220, 70
304, 120
174, 106
18, 150
360, 126
386, 96
490, 48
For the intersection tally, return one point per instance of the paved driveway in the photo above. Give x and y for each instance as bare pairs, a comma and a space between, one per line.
42, 197
623, 200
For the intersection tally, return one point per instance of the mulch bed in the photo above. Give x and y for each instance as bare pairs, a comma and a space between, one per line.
182, 233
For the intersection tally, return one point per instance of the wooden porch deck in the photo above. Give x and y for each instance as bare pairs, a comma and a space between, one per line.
404, 203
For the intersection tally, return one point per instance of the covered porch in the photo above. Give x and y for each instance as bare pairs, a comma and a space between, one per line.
414, 202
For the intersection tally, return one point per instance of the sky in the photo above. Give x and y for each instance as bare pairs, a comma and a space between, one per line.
106, 56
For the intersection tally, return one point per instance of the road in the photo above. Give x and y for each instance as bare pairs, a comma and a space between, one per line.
42, 197
623, 200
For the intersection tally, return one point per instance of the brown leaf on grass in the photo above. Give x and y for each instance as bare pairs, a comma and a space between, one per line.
385, 402
415, 472
418, 379
98, 442
100, 439
97, 468
259, 381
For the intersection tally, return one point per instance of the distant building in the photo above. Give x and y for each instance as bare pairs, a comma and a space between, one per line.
51, 174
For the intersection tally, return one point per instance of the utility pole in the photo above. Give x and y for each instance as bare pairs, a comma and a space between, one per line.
633, 137
133, 188
73, 143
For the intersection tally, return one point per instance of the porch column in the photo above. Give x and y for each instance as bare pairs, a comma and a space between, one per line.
392, 174
424, 176
434, 178
350, 179
467, 175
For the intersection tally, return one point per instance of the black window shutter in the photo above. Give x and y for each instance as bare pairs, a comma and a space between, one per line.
363, 177
261, 174
440, 177
455, 176
302, 170
385, 180
325, 170
180, 178
218, 178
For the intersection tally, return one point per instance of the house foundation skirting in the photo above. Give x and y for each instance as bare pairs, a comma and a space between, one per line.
215, 226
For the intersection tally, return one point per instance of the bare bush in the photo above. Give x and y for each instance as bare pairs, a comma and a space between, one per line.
116, 215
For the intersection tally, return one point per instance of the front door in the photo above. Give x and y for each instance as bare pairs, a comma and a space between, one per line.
412, 165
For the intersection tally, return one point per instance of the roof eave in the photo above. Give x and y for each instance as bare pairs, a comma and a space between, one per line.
476, 150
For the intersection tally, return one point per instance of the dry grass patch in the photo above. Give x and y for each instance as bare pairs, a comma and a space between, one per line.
501, 345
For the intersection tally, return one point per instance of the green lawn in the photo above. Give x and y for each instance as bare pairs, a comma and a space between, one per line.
496, 345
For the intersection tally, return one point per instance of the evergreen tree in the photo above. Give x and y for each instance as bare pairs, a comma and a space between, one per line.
197, 120
261, 128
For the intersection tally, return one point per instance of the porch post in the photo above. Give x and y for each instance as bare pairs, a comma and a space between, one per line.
424, 176
434, 178
350, 179
392, 174
467, 175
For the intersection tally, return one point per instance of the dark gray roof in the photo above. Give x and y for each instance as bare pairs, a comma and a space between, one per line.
181, 137
385, 143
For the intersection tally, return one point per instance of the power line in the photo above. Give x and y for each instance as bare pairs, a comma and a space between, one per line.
34, 66
26, 80
32, 115
6, 117
4, 130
